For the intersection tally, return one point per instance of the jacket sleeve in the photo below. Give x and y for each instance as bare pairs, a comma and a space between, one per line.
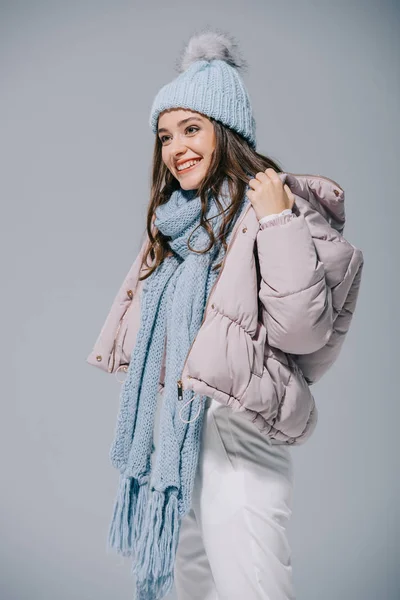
316, 364
306, 268
110, 350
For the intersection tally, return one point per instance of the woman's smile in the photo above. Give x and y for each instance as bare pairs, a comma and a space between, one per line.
191, 167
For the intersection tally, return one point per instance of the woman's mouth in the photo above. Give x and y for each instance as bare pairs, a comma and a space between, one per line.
190, 168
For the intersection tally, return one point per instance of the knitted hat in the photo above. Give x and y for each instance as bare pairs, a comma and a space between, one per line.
209, 83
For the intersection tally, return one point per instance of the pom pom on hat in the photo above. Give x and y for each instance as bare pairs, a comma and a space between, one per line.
211, 45
209, 83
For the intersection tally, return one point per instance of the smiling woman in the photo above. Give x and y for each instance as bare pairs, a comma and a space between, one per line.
188, 147
239, 279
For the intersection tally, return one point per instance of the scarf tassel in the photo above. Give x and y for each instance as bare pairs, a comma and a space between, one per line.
129, 508
154, 567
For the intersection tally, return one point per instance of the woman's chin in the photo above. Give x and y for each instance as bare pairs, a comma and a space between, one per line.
190, 183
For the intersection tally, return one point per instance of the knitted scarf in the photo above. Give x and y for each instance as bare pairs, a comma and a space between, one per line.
152, 501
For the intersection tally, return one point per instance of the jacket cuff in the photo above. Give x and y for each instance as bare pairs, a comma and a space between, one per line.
278, 220
285, 211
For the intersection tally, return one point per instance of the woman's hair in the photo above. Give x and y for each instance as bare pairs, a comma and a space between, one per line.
233, 158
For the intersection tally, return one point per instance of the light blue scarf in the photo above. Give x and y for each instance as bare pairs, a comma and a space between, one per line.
151, 502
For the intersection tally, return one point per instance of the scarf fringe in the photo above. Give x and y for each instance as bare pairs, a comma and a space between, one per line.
119, 533
129, 509
154, 566
140, 510
153, 590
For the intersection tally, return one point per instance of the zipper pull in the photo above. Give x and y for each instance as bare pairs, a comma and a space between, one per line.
180, 390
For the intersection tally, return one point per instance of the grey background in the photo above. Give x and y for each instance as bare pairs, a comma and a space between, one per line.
77, 82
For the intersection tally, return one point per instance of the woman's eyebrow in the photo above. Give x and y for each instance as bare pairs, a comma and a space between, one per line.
182, 123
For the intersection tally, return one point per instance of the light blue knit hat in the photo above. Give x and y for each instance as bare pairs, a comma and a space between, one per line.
209, 83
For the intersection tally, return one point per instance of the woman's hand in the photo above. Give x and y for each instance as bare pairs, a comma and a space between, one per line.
268, 195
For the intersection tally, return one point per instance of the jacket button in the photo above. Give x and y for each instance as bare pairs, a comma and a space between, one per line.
99, 358
130, 294
212, 306
336, 192
244, 229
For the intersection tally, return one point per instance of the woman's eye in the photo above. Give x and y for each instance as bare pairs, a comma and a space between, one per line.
162, 138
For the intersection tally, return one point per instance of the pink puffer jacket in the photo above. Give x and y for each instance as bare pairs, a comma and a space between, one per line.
275, 320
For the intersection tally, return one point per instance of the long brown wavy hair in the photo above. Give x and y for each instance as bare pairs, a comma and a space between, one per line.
233, 158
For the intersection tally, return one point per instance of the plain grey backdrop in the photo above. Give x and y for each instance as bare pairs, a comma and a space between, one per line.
77, 83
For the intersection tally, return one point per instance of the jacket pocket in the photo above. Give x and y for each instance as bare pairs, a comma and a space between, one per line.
258, 343
125, 336
115, 358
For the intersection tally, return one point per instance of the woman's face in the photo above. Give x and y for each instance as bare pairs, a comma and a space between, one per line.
186, 135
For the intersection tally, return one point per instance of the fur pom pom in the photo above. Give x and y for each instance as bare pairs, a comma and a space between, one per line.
208, 45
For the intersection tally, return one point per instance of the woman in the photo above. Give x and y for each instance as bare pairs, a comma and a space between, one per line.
238, 301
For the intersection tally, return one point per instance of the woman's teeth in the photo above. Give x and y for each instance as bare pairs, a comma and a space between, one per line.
188, 165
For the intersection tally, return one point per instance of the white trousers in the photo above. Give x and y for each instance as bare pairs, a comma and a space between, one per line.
233, 543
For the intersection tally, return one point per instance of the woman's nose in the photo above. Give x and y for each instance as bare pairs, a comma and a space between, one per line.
177, 147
